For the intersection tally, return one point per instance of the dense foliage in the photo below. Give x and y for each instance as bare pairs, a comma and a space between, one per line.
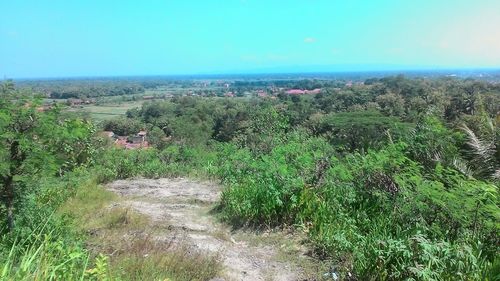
65, 89
42, 157
396, 179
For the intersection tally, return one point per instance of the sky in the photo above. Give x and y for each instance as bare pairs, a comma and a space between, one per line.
67, 38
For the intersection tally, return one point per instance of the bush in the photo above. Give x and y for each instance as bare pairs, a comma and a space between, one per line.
379, 215
266, 189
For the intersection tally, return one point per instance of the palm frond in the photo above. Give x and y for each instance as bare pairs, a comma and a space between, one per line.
482, 148
496, 175
481, 153
462, 166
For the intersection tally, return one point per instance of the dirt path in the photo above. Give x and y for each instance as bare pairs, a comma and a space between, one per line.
182, 207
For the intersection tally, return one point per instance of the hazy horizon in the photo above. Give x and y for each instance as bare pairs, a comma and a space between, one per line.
165, 38
462, 72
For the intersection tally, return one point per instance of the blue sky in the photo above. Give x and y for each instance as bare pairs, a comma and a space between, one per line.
102, 38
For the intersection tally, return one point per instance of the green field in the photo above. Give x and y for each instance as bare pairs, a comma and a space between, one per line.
106, 111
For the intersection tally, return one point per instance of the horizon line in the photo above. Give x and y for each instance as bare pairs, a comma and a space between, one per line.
401, 70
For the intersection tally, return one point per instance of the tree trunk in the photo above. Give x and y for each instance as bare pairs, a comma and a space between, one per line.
9, 201
8, 181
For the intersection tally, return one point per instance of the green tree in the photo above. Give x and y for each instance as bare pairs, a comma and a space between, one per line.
157, 137
357, 130
35, 143
391, 104
265, 131
482, 149
431, 142
123, 126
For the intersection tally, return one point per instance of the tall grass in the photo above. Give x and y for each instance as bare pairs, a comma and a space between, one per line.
174, 161
376, 216
81, 231
43, 255
125, 246
43, 246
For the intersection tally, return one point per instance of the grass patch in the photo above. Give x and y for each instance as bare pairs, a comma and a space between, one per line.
88, 200
106, 111
123, 245
46, 258
146, 258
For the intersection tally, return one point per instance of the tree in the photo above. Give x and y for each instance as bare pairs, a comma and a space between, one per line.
465, 98
357, 130
123, 126
482, 151
391, 104
157, 137
35, 143
6, 87
432, 142
265, 131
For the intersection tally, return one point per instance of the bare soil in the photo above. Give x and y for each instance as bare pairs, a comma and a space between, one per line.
181, 210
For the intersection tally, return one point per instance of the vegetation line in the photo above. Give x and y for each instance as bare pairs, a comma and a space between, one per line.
389, 178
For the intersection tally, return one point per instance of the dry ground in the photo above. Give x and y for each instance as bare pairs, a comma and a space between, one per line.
180, 210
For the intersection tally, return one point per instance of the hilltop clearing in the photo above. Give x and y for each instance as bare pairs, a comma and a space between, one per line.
180, 210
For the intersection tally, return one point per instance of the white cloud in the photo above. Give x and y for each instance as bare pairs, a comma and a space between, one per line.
309, 40
276, 57
251, 58
11, 33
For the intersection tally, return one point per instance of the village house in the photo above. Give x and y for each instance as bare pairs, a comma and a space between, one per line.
139, 138
108, 134
302, 92
74, 102
44, 108
128, 142
313, 92
295, 92
77, 102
